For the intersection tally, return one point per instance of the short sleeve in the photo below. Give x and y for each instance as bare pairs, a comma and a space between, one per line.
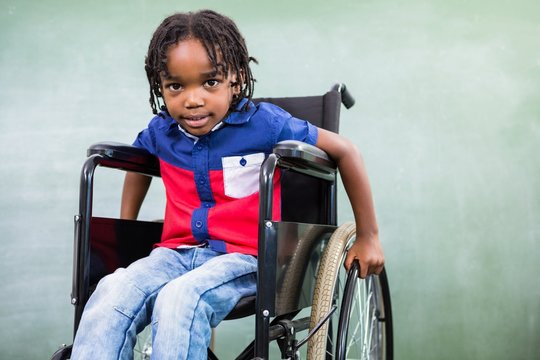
296, 129
285, 126
146, 139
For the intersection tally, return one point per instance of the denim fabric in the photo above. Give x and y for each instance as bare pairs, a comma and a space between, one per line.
182, 292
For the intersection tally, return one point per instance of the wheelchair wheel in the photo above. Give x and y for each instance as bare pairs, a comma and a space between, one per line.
369, 338
361, 327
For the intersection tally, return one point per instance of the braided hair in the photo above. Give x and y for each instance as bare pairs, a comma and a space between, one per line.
225, 46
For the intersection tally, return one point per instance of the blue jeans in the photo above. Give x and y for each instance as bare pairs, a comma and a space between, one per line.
182, 292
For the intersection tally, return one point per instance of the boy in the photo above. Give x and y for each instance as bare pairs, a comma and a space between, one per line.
210, 140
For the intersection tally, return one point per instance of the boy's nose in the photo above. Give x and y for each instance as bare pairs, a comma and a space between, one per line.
193, 99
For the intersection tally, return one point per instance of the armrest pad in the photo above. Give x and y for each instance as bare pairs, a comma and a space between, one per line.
127, 154
305, 158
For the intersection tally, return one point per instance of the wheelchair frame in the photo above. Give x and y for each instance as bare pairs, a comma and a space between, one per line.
274, 316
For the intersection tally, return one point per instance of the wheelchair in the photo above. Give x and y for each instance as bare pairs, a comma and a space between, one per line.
300, 259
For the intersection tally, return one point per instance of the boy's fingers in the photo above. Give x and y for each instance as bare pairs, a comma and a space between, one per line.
363, 271
366, 267
366, 270
349, 260
362, 267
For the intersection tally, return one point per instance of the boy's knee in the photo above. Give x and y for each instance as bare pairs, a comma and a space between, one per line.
117, 291
180, 299
114, 279
176, 294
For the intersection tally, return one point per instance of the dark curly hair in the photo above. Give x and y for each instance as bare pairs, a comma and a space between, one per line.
221, 39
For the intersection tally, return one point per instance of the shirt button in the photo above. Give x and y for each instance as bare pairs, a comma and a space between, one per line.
201, 181
199, 147
198, 224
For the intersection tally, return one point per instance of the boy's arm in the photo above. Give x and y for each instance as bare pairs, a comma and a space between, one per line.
133, 193
367, 248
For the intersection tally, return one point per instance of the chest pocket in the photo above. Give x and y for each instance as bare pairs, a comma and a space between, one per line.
241, 174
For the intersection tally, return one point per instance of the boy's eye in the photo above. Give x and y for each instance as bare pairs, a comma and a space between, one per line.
212, 83
174, 87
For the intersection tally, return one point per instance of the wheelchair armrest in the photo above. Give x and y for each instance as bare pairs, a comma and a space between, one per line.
305, 158
126, 157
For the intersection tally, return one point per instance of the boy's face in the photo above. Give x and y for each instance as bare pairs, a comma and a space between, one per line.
196, 95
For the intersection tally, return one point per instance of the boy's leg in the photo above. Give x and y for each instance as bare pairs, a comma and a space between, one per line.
122, 305
187, 307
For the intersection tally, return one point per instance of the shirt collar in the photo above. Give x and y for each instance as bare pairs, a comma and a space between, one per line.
239, 115
218, 126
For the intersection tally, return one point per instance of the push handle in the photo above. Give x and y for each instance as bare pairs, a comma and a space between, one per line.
346, 98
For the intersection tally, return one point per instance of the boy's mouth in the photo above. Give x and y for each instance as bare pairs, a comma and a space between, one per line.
195, 119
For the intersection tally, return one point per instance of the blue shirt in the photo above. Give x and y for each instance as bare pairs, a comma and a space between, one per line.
212, 181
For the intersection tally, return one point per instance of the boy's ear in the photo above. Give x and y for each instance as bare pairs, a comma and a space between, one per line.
237, 89
242, 78
237, 82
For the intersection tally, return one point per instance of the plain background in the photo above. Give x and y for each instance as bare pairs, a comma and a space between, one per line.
447, 118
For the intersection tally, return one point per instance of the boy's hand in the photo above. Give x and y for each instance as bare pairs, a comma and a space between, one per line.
368, 251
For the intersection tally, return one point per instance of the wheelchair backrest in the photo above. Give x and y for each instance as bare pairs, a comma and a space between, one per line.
322, 111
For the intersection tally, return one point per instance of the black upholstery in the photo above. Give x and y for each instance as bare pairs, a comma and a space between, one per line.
322, 111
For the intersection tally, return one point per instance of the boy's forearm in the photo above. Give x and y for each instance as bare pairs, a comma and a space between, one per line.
356, 183
367, 248
354, 177
134, 191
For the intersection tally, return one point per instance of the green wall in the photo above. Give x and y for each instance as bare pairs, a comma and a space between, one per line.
447, 117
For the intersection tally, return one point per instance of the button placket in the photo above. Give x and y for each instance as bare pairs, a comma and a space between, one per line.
199, 220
